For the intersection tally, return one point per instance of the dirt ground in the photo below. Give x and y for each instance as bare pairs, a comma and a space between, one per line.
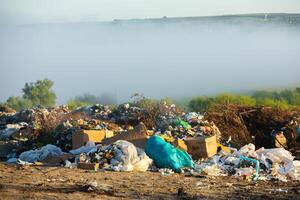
36, 182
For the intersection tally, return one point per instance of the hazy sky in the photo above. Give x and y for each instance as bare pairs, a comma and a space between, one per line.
43, 11
159, 59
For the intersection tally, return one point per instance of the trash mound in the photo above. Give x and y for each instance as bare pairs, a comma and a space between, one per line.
96, 111
154, 116
40, 120
119, 156
62, 135
6, 109
255, 125
158, 137
252, 164
127, 114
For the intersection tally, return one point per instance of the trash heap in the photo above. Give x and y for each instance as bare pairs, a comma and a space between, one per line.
159, 138
263, 126
63, 133
23, 130
96, 111
119, 156
252, 164
196, 127
166, 115
127, 114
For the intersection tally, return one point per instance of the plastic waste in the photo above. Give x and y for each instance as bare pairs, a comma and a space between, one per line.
10, 129
248, 171
166, 171
166, 155
192, 116
184, 124
12, 160
298, 130
128, 158
41, 153
247, 150
90, 146
256, 162
212, 170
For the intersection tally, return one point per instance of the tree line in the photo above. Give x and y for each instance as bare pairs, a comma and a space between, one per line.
40, 93
284, 99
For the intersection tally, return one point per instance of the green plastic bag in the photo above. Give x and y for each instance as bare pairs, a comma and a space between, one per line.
184, 124
166, 155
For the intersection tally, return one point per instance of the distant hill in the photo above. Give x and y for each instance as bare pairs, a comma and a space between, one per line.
242, 18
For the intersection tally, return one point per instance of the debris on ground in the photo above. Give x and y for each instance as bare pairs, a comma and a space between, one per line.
252, 143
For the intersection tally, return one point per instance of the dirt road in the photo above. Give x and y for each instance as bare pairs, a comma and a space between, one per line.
32, 182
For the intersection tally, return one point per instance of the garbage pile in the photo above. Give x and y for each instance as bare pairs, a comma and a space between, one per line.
62, 134
40, 120
166, 115
181, 129
260, 164
119, 156
127, 114
96, 111
22, 130
255, 125
161, 138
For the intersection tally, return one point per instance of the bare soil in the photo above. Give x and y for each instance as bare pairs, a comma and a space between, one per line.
37, 182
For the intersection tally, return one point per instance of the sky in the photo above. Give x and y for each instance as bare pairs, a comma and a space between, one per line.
182, 59
49, 11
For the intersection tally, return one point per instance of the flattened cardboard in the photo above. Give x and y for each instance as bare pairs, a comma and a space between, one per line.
81, 137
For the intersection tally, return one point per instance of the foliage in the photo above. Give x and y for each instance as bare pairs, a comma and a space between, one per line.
105, 98
18, 103
34, 94
73, 104
284, 99
40, 93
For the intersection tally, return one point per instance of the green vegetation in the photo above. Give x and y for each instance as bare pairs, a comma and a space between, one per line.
284, 99
34, 94
89, 99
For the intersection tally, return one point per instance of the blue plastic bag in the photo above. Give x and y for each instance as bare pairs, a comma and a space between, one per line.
166, 155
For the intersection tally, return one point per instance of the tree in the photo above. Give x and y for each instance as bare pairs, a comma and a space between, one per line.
200, 104
245, 101
226, 98
263, 95
18, 103
73, 104
34, 94
87, 98
40, 93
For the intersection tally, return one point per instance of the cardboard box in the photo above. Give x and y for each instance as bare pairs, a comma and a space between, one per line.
88, 166
180, 144
138, 136
81, 137
201, 147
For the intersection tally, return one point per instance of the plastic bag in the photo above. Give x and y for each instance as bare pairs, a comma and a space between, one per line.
128, 157
41, 153
166, 155
184, 124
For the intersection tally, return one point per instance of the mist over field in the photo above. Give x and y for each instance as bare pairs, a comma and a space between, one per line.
159, 57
